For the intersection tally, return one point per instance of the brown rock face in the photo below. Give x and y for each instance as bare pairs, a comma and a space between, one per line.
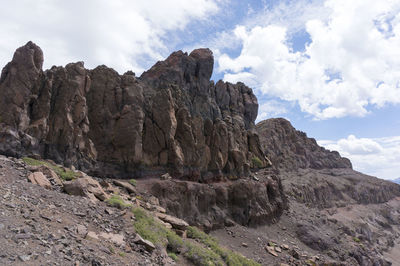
289, 148
315, 176
171, 119
246, 202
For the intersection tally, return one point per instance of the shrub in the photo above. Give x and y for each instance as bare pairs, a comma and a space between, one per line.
257, 163
213, 254
356, 239
148, 228
111, 249
132, 182
200, 256
175, 242
117, 201
173, 256
66, 175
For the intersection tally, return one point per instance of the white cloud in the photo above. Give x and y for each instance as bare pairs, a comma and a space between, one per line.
350, 64
122, 34
270, 108
374, 156
291, 14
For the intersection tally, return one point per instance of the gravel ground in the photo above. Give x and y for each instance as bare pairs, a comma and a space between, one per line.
47, 227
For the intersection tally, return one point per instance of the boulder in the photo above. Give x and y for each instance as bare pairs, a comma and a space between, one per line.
40, 179
85, 187
271, 251
81, 230
146, 243
131, 189
50, 174
174, 221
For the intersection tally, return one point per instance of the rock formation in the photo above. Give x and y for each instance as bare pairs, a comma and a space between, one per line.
172, 118
245, 202
288, 148
317, 176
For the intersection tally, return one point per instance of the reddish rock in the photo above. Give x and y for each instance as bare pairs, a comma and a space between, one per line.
50, 174
40, 179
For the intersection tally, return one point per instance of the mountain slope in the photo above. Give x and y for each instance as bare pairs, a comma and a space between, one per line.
315, 175
266, 190
397, 180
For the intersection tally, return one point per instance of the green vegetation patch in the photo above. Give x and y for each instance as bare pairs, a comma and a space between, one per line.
229, 257
117, 201
150, 229
200, 256
257, 163
132, 182
122, 254
64, 174
173, 256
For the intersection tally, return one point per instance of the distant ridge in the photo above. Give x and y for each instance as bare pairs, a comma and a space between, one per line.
397, 180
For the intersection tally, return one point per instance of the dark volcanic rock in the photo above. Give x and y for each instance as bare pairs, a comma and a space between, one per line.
247, 202
289, 148
172, 118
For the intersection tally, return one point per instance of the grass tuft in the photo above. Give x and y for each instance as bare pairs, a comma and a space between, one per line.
173, 256
132, 182
117, 201
230, 258
65, 175
122, 254
257, 163
213, 254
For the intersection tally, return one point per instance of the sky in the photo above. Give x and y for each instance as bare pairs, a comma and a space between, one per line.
331, 67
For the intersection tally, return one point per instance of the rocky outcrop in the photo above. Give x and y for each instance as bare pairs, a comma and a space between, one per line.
85, 187
315, 176
290, 149
172, 118
336, 187
246, 202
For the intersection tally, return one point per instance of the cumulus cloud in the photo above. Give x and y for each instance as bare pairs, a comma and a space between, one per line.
122, 34
270, 108
375, 156
350, 64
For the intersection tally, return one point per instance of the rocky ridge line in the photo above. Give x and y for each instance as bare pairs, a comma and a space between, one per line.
172, 118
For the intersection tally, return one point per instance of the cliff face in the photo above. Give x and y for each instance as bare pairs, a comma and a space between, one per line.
288, 148
172, 118
316, 176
